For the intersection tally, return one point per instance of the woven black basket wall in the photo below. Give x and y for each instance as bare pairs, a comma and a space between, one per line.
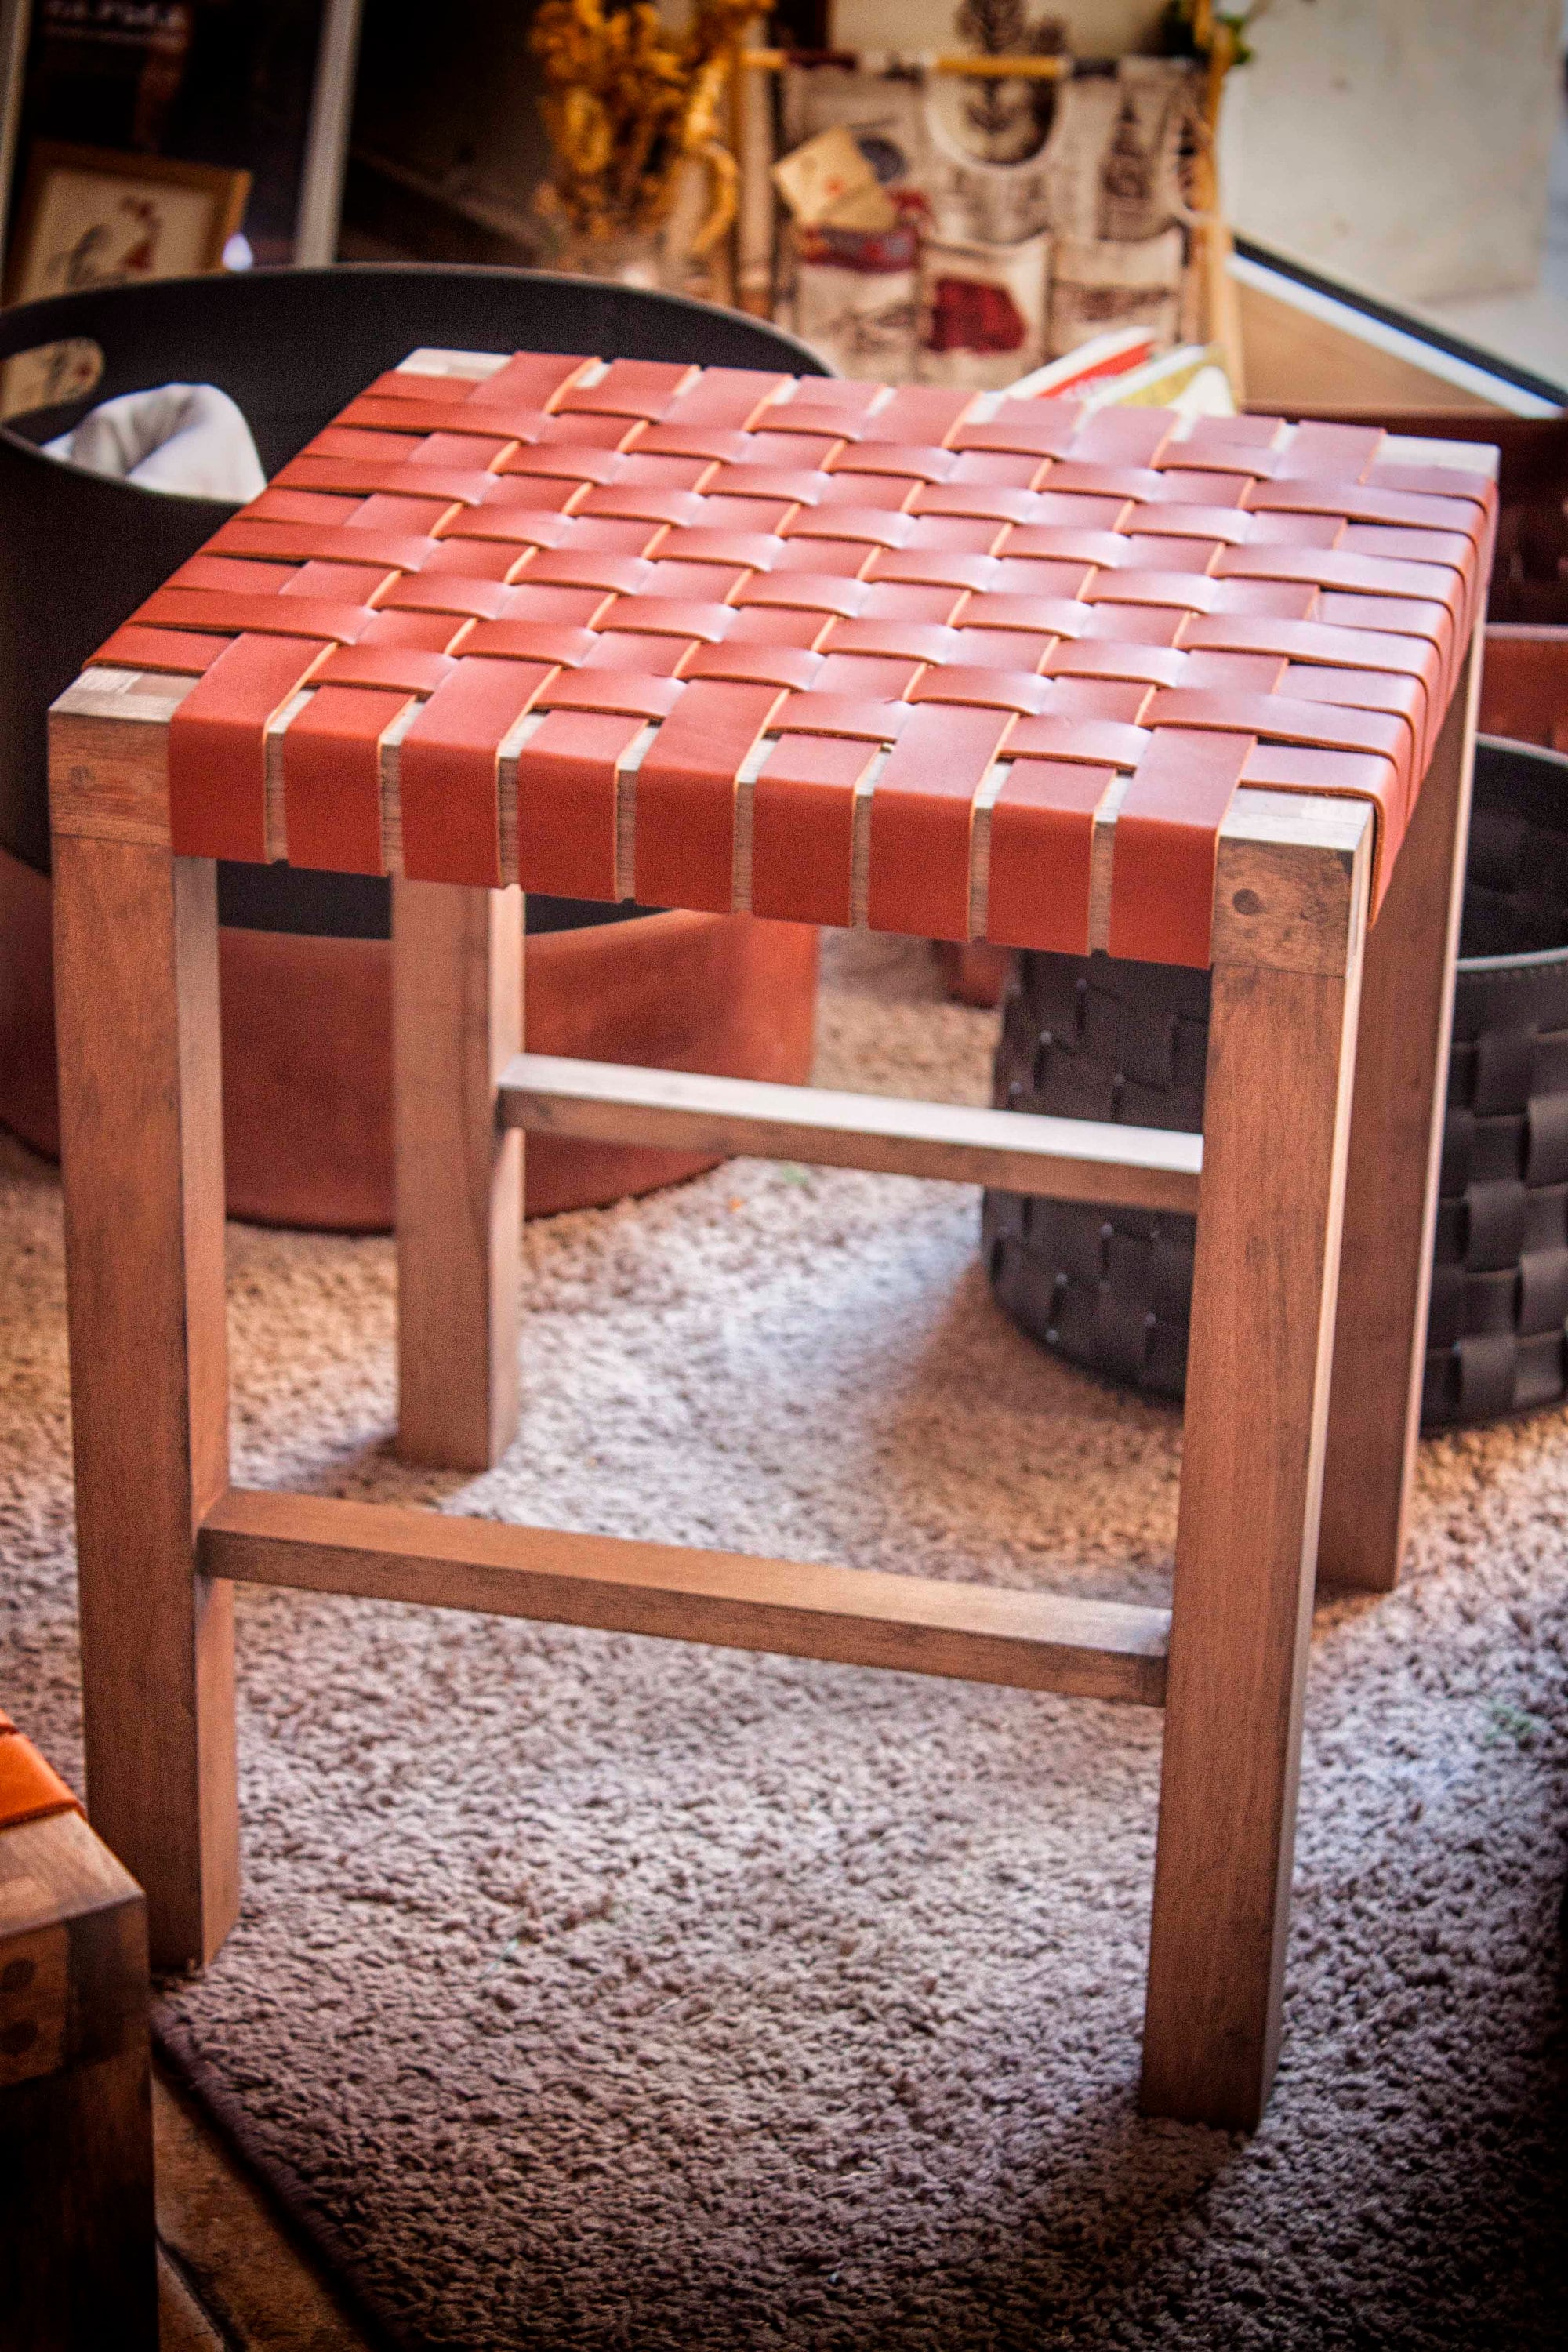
1089, 1038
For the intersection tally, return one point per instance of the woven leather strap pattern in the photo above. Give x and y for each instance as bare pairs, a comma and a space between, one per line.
716, 638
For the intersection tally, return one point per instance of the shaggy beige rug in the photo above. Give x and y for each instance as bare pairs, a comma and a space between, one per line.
593, 1992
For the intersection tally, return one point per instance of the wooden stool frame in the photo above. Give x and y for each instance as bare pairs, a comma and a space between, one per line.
1297, 1445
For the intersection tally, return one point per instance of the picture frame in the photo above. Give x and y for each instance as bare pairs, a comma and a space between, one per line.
268, 84
95, 216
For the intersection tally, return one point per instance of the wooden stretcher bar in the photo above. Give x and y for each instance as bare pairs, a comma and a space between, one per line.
865, 1617
1061, 1158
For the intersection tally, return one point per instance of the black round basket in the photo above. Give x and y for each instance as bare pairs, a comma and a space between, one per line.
1085, 1037
79, 551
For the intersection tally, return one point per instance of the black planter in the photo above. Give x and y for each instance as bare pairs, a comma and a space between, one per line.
1089, 1038
79, 552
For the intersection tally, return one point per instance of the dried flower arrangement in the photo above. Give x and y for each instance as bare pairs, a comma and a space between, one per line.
628, 103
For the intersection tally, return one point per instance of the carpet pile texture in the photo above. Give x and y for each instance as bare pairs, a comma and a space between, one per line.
594, 1992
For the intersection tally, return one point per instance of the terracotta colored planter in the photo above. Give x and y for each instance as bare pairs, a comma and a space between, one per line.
306, 1013
307, 1039
1524, 685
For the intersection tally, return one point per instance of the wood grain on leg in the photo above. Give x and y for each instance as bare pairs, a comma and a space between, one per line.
455, 1023
141, 1151
1391, 1196
1280, 1063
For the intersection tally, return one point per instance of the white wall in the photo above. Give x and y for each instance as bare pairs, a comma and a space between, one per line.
1401, 143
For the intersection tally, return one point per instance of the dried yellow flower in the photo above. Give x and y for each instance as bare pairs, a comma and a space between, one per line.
626, 103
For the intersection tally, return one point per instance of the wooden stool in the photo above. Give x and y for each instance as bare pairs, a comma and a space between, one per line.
943, 663
77, 2265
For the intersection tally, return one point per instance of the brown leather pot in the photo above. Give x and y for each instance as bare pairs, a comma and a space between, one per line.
1525, 685
307, 1043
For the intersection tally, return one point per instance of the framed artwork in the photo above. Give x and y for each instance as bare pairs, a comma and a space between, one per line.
93, 217
264, 86
49, 375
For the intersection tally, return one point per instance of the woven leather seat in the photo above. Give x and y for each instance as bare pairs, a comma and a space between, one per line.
929, 660
727, 640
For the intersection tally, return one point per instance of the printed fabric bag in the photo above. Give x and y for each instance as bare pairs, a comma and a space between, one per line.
1098, 284
855, 296
982, 310
852, 294
1033, 216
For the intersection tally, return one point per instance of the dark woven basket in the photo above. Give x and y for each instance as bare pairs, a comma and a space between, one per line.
1086, 1038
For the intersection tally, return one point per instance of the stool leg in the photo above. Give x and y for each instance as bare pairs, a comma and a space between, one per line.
1390, 1197
142, 1154
457, 1002
1281, 1054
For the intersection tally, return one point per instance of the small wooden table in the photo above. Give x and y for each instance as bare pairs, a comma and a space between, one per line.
943, 664
78, 2260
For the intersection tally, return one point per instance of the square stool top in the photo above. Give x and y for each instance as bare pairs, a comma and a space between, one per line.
821, 650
